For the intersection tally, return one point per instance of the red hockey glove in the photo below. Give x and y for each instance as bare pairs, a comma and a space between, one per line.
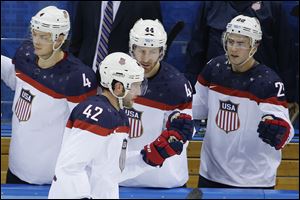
181, 123
274, 131
169, 143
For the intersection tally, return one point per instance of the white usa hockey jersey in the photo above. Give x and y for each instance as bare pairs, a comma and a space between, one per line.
42, 104
232, 153
94, 153
167, 91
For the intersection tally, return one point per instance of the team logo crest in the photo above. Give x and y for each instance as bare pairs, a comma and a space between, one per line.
227, 117
122, 61
135, 122
256, 5
23, 105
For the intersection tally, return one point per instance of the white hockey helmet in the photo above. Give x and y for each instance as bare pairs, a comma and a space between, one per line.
148, 33
244, 25
120, 67
52, 20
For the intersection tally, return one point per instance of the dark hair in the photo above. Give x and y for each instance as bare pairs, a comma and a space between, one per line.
66, 45
112, 85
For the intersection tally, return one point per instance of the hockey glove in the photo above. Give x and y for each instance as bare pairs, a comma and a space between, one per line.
163, 147
274, 131
181, 123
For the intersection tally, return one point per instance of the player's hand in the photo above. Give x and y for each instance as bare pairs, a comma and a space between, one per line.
274, 131
155, 153
182, 123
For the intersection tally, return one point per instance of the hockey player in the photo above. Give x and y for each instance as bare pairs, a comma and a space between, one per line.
168, 92
94, 147
48, 82
248, 120
276, 49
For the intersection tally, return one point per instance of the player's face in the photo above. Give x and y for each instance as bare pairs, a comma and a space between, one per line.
42, 42
147, 57
238, 48
132, 94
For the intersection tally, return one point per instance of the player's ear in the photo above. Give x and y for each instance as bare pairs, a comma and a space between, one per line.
59, 40
118, 89
256, 45
161, 53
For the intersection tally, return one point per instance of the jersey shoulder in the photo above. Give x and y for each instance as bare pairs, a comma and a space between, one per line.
24, 56
215, 66
81, 79
266, 83
68, 78
98, 111
170, 82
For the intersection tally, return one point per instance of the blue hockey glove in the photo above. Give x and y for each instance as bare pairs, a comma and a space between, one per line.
181, 123
274, 131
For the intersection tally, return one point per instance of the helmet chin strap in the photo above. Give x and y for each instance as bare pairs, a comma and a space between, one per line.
121, 103
250, 56
54, 51
251, 53
120, 99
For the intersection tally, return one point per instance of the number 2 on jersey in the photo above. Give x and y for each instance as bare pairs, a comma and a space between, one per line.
280, 87
88, 112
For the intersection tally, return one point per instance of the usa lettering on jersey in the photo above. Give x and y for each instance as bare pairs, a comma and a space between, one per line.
23, 105
227, 117
135, 122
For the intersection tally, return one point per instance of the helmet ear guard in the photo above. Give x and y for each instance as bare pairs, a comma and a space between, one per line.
148, 33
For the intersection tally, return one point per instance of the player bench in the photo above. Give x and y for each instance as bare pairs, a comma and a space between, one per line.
287, 175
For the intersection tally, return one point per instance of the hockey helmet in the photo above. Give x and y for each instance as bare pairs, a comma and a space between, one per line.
123, 68
244, 25
148, 33
52, 20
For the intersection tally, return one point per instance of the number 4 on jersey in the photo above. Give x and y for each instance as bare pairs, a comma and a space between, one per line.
86, 81
188, 90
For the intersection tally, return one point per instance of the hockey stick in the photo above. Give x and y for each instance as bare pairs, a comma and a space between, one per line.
173, 33
293, 111
195, 194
